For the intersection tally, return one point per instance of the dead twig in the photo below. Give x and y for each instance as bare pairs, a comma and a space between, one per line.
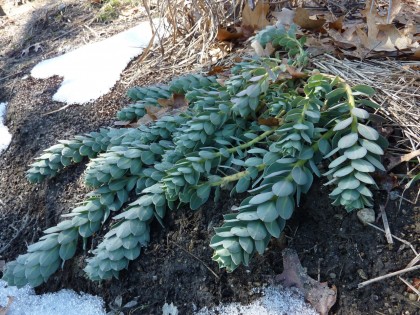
386, 224
414, 261
191, 254
389, 275
26, 222
57, 110
396, 237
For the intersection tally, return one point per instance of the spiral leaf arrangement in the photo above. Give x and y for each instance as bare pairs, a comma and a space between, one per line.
260, 131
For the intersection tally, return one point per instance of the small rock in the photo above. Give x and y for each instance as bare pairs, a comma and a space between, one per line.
130, 304
393, 195
366, 215
333, 275
412, 297
362, 274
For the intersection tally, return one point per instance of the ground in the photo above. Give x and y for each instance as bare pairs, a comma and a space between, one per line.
177, 267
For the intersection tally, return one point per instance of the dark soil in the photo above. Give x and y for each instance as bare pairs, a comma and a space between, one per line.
331, 244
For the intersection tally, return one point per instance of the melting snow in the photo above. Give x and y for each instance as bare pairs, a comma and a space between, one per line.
64, 302
92, 70
275, 301
5, 136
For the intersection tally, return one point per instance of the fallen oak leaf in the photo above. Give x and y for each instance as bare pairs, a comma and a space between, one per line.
262, 52
382, 36
371, 11
337, 24
151, 113
176, 101
416, 55
386, 181
269, 121
296, 74
165, 102
321, 297
284, 17
225, 35
303, 19
217, 69
179, 101
257, 17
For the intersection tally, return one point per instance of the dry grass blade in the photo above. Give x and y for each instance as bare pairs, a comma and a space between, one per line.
392, 274
408, 284
193, 26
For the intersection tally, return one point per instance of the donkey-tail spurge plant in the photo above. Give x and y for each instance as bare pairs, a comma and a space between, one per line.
263, 130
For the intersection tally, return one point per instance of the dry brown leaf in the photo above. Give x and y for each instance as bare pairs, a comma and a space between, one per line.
257, 18
337, 24
296, 74
216, 70
151, 111
4, 310
303, 20
381, 35
396, 160
318, 46
165, 102
219, 50
372, 12
179, 101
386, 181
416, 284
269, 121
175, 102
284, 17
348, 39
321, 297
416, 55
263, 52
225, 35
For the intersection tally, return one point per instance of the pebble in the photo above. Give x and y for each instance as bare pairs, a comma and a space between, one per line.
366, 215
362, 274
412, 297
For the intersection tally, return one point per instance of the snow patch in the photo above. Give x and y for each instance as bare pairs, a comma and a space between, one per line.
275, 301
64, 302
5, 136
92, 70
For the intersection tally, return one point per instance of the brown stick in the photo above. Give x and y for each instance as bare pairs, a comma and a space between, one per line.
389, 275
204, 264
